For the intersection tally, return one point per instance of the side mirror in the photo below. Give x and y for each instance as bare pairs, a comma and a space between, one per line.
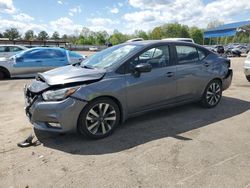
142, 67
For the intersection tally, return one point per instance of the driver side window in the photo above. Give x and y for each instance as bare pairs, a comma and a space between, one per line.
158, 57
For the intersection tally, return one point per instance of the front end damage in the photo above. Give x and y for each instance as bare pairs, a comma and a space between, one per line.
55, 116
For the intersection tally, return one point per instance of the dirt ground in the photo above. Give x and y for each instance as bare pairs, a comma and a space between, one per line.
186, 146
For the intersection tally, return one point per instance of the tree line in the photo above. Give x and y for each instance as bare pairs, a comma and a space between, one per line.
86, 36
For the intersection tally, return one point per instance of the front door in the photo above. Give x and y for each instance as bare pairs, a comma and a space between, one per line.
151, 89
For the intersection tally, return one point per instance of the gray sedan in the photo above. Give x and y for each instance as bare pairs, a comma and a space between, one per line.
94, 97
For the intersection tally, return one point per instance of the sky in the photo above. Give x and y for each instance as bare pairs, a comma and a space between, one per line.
70, 16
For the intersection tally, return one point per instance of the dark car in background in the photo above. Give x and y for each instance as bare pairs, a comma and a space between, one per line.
123, 81
219, 49
231, 51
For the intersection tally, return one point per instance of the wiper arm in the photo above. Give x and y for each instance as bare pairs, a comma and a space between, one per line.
88, 66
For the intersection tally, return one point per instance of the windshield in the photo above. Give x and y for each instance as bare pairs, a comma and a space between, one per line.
110, 56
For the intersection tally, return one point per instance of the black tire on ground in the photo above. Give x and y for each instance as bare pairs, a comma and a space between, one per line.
96, 127
4, 73
212, 94
248, 78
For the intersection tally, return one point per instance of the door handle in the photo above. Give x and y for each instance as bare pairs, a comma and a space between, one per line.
62, 60
169, 74
38, 61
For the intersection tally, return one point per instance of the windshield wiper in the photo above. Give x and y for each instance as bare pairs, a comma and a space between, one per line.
88, 67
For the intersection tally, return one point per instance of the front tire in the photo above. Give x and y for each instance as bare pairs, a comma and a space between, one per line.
212, 94
99, 118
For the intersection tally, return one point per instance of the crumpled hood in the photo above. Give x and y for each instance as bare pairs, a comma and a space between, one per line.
71, 74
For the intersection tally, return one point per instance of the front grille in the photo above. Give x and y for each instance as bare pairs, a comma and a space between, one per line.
30, 98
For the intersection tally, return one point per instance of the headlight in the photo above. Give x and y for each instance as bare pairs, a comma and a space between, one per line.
60, 94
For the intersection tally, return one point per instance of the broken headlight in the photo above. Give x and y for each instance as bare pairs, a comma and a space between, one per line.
60, 94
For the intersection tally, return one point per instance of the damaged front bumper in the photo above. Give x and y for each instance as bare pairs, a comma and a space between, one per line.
55, 116
228, 79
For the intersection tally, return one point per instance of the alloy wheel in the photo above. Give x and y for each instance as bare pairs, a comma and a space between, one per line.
213, 94
101, 118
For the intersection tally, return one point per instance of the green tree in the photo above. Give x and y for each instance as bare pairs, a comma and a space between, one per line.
101, 37
65, 37
118, 38
196, 34
55, 35
29, 35
43, 35
175, 30
156, 33
11, 33
1, 35
141, 34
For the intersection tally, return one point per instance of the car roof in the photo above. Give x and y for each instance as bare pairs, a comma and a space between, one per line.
152, 42
148, 43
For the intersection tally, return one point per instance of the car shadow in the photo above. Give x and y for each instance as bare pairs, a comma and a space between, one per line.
149, 127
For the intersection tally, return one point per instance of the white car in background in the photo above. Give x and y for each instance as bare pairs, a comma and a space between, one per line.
247, 67
179, 39
7, 51
93, 48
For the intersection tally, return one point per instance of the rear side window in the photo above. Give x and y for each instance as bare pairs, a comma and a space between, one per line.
15, 49
74, 55
186, 54
44, 54
37, 54
56, 53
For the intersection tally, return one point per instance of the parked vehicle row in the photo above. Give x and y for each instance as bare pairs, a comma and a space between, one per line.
29, 62
123, 81
231, 50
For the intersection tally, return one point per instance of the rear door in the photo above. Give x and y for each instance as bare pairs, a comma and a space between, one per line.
192, 72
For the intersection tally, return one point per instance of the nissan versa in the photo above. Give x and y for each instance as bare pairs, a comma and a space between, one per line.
95, 96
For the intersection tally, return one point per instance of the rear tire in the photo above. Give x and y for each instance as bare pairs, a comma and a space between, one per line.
248, 78
99, 118
212, 94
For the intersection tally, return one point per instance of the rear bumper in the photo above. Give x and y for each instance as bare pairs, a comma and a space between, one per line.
58, 116
228, 79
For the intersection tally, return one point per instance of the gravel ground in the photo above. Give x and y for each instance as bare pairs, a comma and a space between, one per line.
187, 146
